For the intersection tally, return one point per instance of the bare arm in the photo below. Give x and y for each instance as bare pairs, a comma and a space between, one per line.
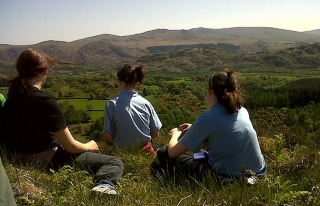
73, 146
108, 138
175, 148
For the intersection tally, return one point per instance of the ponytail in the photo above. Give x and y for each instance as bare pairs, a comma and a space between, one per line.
16, 87
130, 75
140, 71
224, 84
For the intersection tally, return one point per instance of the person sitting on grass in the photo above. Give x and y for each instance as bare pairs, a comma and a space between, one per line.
6, 193
35, 130
231, 145
130, 120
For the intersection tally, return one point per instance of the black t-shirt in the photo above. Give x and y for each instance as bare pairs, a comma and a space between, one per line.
29, 120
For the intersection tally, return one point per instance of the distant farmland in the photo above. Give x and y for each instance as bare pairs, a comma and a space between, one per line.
96, 109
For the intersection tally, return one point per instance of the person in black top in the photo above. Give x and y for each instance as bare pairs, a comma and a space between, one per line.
34, 127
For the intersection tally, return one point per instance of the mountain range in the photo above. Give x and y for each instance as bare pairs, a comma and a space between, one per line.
108, 49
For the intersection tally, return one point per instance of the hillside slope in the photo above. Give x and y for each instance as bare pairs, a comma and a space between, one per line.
104, 49
307, 56
315, 32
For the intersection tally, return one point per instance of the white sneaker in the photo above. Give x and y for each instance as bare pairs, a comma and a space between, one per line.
105, 188
251, 180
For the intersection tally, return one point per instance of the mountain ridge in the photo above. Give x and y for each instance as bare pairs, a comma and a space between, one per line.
108, 48
316, 32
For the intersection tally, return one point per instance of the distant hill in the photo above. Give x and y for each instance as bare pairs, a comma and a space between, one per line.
190, 59
3, 80
316, 32
107, 49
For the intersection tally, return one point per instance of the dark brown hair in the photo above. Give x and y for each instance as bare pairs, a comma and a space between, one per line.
225, 86
29, 65
130, 75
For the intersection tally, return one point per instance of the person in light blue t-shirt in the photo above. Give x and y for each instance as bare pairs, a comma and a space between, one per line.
130, 120
226, 133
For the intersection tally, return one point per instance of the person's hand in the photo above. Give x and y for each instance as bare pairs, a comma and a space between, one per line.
184, 127
174, 132
92, 146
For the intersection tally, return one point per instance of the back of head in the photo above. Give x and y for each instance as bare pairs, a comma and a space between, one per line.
225, 86
29, 65
31, 62
130, 75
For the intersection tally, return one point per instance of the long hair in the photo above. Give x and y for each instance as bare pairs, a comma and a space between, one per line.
131, 75
226, 88
29, 65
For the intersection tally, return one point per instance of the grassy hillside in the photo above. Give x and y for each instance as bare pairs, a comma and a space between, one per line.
292, 178
213, 58
289, 140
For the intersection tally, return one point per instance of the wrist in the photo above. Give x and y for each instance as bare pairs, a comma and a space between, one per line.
175, 136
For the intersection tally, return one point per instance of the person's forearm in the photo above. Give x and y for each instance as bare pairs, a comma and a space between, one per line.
77, 147
173, 141
175, 148
69, 143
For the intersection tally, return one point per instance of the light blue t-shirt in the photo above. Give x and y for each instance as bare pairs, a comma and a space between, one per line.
130, 118
230, 140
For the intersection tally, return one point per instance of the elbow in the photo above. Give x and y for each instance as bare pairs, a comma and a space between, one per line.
176, 150
154, 135
171, 153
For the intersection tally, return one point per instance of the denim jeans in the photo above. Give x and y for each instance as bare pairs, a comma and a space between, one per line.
182, 165
105, 168
187, 166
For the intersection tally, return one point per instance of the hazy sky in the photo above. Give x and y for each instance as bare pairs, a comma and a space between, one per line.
33, 21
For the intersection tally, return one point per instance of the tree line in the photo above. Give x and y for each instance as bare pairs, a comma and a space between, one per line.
179, 100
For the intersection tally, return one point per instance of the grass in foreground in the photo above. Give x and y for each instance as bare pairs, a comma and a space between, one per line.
292, 182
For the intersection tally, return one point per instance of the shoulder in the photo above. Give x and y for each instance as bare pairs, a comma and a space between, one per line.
211, 116
140, 100
206, 117
32, 96
243, 112
47, 100
40, 95
111, 104
112, 101
147, 103
243, 109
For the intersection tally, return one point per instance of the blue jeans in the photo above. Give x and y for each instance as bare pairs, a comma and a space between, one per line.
187, 166
105, 168
182, 165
